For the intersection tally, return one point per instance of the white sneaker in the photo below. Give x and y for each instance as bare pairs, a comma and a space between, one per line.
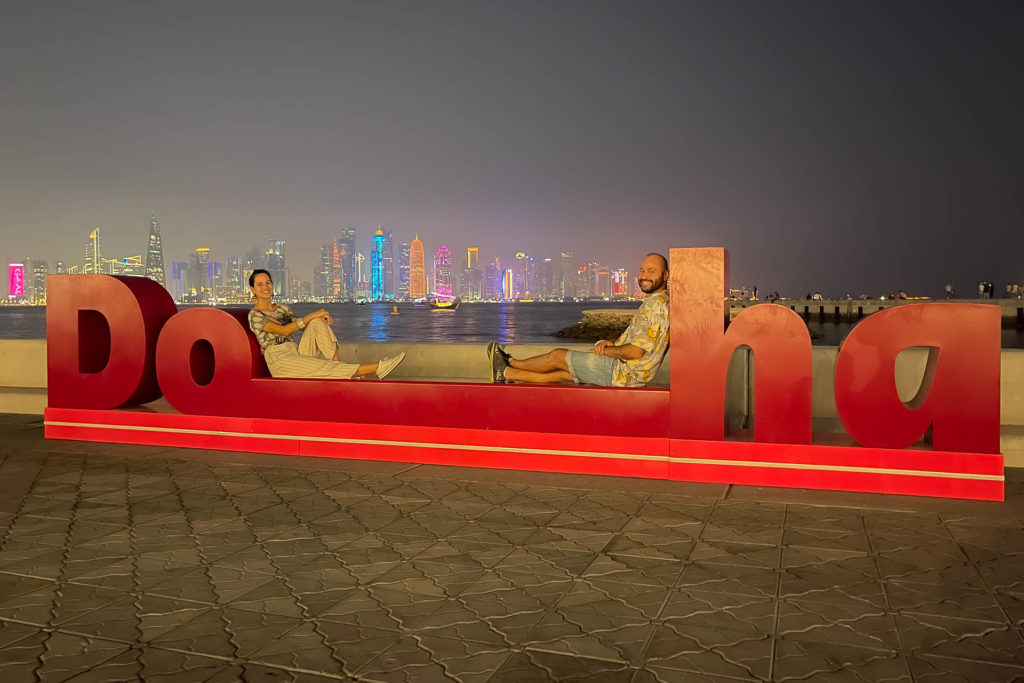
386, 365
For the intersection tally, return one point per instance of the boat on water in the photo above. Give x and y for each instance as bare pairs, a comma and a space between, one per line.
444, 304
361, 302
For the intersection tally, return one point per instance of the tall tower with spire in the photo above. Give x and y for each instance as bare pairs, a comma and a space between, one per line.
377, 291
94, 253
155, 253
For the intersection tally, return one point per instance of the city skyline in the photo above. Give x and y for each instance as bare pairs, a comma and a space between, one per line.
204, 275
842, 147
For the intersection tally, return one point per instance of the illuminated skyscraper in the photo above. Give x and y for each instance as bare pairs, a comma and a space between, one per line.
198, 285
471, 284
567, 275
179, 281
234, 279
16, 280
506, 284
492, 280
277, 267
417, 271
360, 268
155, 253
322, 277
93, 253
620, 283
388, 257
346, 272
443, 272
403, 271
377, 266
37, 281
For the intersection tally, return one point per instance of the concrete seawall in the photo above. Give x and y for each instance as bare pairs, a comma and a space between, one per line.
23, 379
608, 323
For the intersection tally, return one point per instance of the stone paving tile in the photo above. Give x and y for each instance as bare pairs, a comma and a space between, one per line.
136, 563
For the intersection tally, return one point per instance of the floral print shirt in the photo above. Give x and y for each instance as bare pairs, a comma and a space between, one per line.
648, 330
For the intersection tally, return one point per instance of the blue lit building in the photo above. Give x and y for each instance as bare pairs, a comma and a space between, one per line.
377, 292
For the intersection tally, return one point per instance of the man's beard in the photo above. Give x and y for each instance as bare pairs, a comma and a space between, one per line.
648, 286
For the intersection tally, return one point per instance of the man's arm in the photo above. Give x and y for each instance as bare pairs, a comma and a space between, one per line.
622, 352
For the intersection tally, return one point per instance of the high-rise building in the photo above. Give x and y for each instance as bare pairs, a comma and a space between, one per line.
198, 285
360, 268
346, 265
323, 278
506, 284
443, 272
377, 291
93, 253
16, 280
621, 286
599, 282
417, 271
362, 283
235, 281
180, 281
155, 253
492, 280
471, 285
277, 268
59, 268
388, 256
546, 275
37, 281
567, 275
403, 271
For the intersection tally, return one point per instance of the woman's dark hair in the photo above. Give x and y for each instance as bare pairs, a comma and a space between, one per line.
253, 274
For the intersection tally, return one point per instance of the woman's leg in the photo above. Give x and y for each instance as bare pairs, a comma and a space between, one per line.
318, 340
284, 360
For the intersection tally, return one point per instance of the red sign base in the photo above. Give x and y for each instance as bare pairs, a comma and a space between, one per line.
977, 476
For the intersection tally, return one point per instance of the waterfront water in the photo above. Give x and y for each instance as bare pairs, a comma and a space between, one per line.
471, 323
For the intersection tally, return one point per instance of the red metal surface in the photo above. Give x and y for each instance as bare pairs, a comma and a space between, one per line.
231, 389
101, 335
840, 468
959, 397
118, 342
701, 352
909, 472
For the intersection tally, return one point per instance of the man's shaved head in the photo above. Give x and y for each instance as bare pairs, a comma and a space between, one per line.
664, 261
653, 273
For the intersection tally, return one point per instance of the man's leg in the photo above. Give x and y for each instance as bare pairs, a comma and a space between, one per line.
544, 369
548, 362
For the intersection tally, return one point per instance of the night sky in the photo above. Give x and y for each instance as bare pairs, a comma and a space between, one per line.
845, 147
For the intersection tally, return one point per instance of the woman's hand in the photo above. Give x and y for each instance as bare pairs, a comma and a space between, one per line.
310, 317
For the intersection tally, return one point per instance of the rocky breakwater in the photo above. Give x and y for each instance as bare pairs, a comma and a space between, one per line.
601, 323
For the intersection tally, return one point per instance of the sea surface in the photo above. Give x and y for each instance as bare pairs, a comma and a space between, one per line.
507, 323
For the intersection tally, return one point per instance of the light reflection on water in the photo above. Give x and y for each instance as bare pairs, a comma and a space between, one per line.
471, 323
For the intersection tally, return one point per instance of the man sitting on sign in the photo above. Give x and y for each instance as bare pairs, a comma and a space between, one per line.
632, 360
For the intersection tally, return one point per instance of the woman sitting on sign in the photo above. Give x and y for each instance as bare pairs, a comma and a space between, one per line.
316, 354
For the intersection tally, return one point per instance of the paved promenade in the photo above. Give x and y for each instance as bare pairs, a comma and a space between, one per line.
127, 563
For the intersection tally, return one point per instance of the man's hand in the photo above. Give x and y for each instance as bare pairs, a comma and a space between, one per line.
624, 352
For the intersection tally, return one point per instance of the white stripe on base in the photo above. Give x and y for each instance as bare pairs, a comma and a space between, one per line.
540, 451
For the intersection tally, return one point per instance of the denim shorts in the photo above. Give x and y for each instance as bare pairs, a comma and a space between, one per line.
590, 368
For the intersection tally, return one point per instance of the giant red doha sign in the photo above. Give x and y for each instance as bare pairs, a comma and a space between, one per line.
116, 344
